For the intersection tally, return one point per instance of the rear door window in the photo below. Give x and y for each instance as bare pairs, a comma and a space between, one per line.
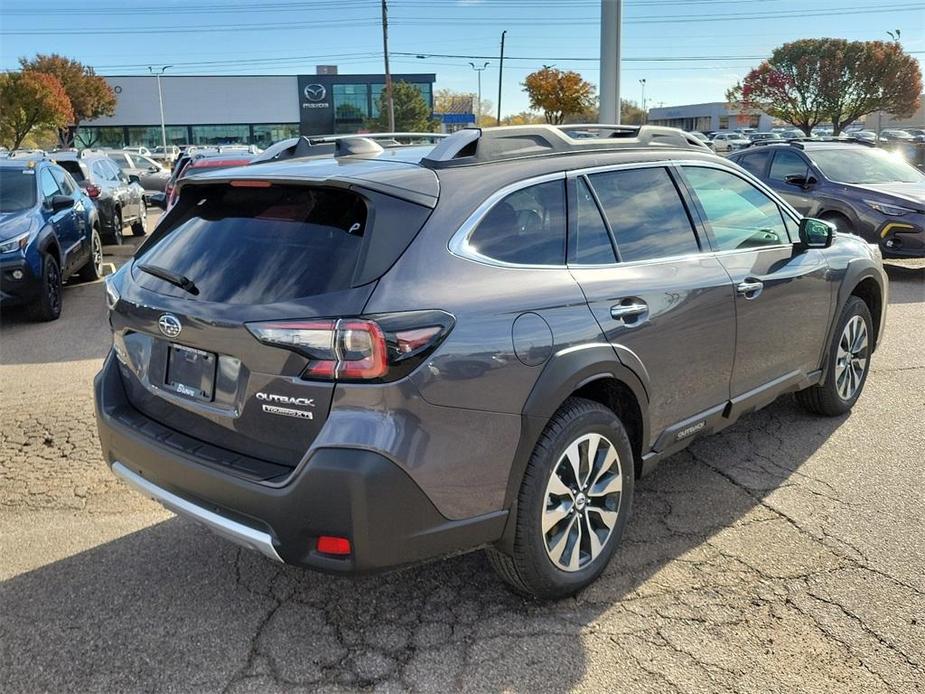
245, 245
525, 228
754, 162
787, 163
646, 214
591, 244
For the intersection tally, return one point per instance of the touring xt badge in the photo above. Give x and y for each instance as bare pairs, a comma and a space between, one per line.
286, 400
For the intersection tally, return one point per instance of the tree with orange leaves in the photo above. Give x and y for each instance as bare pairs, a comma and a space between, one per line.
28, 101
558, 93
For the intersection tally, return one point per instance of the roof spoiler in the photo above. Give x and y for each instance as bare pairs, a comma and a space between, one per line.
482, 145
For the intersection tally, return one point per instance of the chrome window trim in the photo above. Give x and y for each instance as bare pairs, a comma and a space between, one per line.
459, 243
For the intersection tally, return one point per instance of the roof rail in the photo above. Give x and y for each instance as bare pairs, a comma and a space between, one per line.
481, 145
339, 145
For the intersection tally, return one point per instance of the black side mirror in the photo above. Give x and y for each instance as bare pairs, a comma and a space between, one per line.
158, 200
132, 178
815, 233
61, 202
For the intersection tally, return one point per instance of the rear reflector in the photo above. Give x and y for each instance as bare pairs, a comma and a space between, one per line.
328, 544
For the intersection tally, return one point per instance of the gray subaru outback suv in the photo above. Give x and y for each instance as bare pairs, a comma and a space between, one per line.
360, 361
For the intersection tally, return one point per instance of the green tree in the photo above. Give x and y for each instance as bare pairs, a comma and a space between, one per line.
90, 96
412, 112
30, 101
558, 93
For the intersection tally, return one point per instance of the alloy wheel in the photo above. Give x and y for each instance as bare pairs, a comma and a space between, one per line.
53, 287
851, 358
582, 502
97, 250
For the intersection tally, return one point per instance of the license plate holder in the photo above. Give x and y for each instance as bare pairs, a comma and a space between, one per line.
191, 372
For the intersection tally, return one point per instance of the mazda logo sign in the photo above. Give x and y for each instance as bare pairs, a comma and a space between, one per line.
315, 92
169, 325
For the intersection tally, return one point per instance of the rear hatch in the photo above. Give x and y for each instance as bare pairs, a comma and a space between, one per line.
231, 256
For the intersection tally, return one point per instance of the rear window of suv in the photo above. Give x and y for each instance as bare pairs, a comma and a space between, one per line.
258, 245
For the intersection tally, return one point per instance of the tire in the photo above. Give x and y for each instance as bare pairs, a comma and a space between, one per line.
563, 560
843, 382
47, 307
93, 270
140, 227
117, 237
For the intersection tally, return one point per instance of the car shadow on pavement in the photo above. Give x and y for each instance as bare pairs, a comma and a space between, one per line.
172, 607
907, 282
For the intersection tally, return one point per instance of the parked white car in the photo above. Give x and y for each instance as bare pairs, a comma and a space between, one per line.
729, 142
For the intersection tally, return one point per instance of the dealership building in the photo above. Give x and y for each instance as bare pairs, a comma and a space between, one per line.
715, 115
253, 109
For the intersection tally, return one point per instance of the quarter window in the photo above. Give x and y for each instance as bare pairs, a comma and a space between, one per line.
592, 240
65, 183
739, 215
646, 214
527, 227
755, 162
787, 163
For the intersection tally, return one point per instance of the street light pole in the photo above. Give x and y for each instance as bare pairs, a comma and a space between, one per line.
478, 107
645, 114
160, 102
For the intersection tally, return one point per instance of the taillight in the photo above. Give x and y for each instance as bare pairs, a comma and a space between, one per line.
92, 190
374, 348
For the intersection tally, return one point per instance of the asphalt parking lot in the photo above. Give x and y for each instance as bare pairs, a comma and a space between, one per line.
786, 554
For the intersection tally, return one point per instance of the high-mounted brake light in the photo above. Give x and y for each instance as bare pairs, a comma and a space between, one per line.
250, 184
358, 349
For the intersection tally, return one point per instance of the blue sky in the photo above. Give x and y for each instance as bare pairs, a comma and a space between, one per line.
687, 50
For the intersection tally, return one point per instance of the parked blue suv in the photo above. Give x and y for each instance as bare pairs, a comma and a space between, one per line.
49, 230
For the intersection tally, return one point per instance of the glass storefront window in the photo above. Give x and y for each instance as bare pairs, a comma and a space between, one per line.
220, 134
266, 134
100, 137
150, 136
351, 102
377, 89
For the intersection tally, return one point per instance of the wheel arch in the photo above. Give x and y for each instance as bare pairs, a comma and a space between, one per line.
48, 243
593, 372
871, 293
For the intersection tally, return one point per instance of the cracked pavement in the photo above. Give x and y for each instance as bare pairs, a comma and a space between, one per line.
786, 554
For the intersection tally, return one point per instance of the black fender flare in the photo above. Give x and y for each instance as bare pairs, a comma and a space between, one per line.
856, 272
564, 373
48, 243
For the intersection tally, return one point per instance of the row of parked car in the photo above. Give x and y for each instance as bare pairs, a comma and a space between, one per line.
57, 209
732, 140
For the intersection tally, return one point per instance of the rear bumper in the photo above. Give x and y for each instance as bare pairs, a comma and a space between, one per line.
343, 492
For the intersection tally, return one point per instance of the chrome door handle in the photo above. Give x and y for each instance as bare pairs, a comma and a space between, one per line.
752, 288
621, 311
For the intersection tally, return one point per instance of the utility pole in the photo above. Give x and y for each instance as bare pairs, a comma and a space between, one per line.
160, 101
478, 106
388, 75
611, 28
645, 113
501, 75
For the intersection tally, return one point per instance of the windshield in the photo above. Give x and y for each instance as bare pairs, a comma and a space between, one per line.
865, 166
17, 189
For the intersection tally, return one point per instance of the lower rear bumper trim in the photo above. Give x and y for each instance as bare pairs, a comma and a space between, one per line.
232, 530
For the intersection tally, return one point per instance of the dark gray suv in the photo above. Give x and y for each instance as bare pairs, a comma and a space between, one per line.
360, 361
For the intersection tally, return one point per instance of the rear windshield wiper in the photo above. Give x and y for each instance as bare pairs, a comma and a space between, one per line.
181, 281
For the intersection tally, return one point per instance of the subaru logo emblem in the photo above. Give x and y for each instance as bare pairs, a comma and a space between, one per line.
169, 325
315, 92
